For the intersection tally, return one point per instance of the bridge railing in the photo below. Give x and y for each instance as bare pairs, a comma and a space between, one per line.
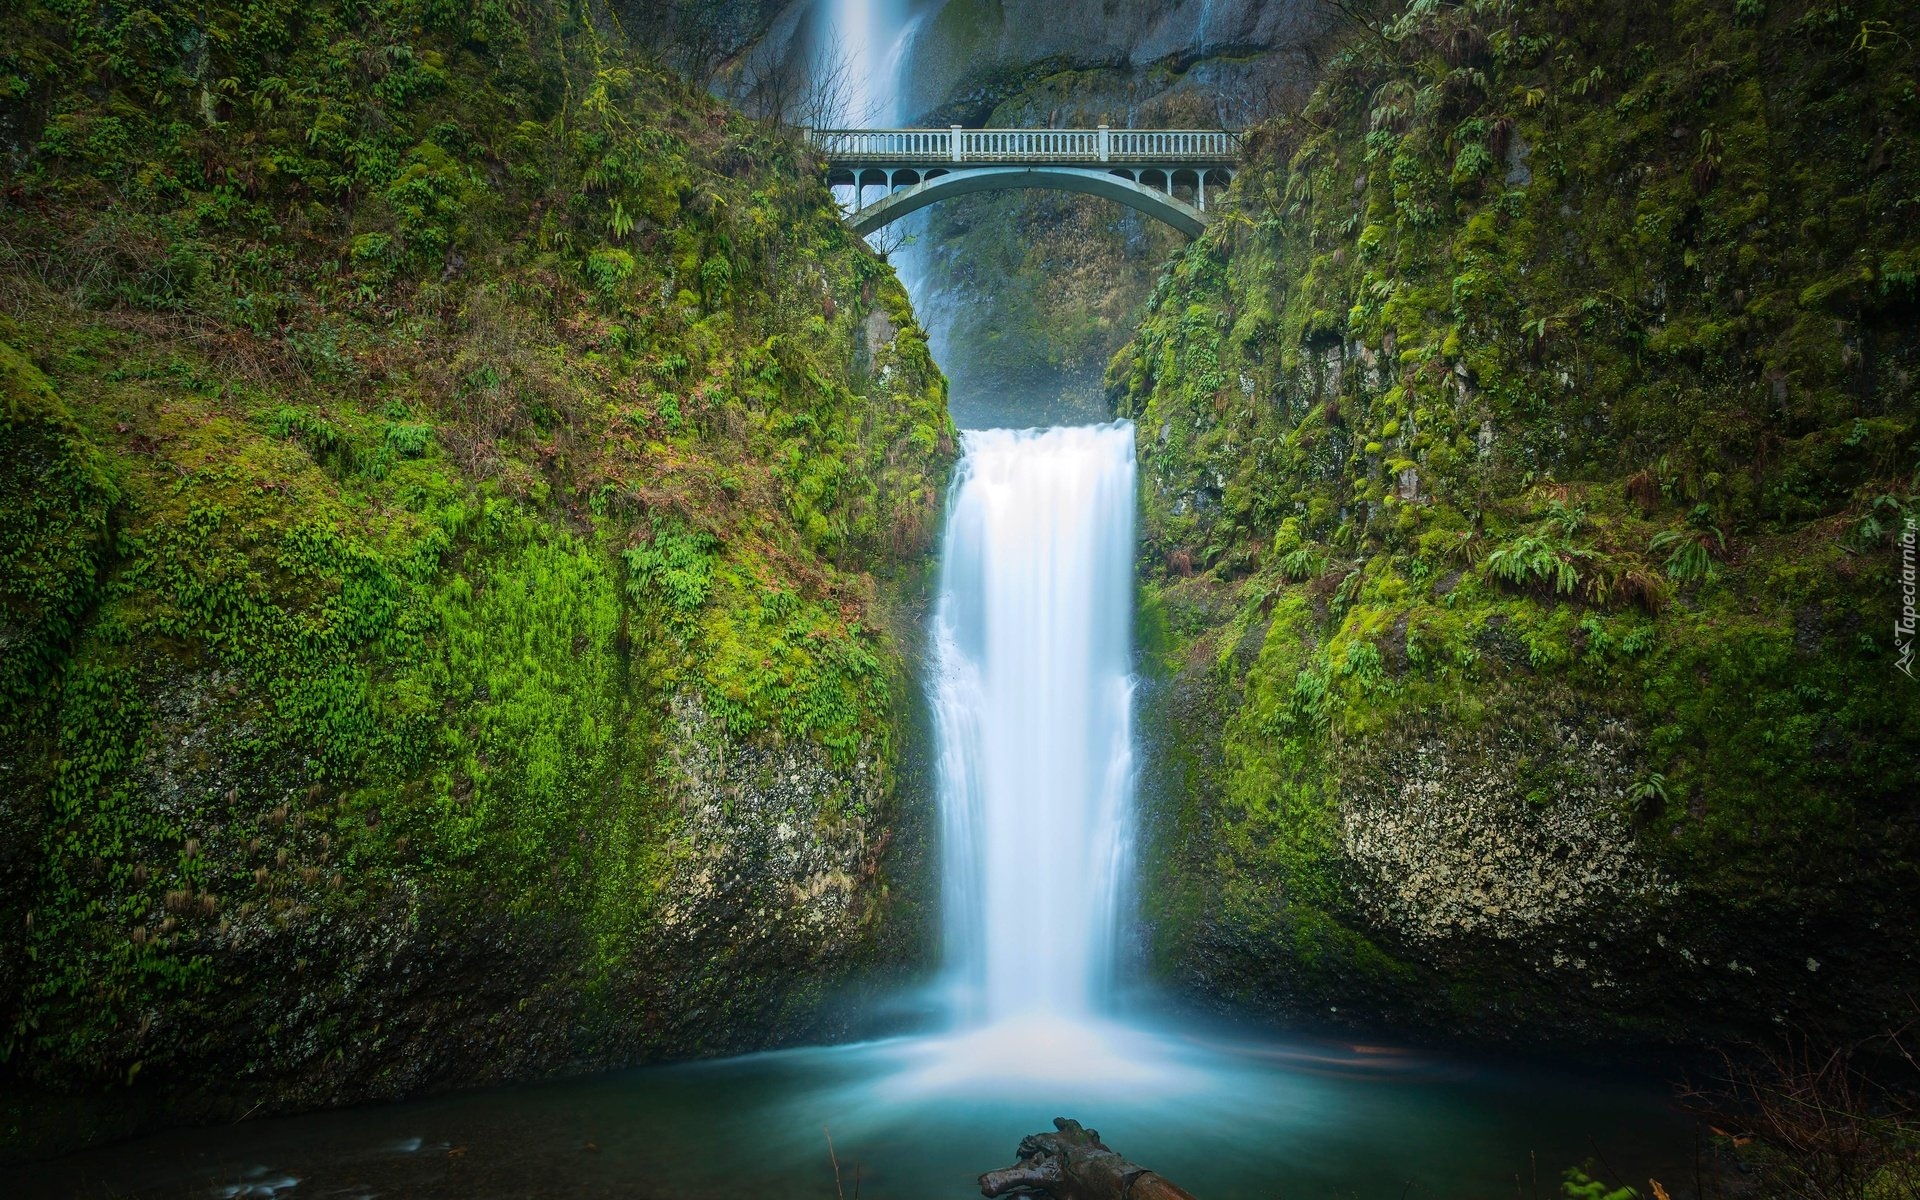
1184, 145
904, 147
891, 145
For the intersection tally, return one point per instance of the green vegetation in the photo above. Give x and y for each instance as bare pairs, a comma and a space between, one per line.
1524, 459
1038, 288
425, 426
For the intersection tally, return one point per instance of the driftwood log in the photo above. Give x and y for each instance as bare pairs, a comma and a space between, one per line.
1071, 1164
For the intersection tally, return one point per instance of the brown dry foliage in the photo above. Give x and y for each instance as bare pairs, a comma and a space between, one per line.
1819, 1120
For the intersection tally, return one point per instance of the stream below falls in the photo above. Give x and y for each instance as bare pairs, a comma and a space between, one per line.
1228, 1116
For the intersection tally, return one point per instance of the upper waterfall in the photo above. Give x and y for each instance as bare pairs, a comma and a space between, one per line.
863, 41
1032, 691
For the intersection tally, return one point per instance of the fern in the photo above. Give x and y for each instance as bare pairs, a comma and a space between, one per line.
1688, 556
1533, 559
1569, 520
675, 567
1299, 564
1886, 514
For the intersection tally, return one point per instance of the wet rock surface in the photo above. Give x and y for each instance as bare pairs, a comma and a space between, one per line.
338, 985
1544, 738
1447, 842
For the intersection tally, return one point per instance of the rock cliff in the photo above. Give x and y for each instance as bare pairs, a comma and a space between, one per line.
463, 499
1526, 460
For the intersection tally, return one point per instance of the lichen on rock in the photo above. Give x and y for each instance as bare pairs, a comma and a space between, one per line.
773, 839
1447, 843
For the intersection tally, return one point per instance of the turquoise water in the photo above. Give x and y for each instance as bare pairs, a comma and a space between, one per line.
1228, 1116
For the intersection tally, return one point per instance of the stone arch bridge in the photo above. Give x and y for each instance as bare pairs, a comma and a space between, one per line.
1164, 173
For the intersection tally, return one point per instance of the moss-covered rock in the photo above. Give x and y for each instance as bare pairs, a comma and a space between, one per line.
463, 499
1525, 455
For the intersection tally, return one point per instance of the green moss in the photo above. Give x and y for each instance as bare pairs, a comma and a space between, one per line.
56, 498
1580, 426
418, 425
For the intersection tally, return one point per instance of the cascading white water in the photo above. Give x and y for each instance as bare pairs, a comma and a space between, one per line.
1032, 687
863, 49
861, 45
1032, 704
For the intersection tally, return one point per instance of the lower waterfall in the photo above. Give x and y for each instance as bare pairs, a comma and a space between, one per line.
1032, 696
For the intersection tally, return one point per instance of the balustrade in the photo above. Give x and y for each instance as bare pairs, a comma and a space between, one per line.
907, 147
1165, 173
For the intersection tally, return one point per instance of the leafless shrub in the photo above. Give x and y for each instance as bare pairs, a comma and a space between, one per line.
803, 93
831, 95
1820, 1121
1241, 103
494, 377
693, 37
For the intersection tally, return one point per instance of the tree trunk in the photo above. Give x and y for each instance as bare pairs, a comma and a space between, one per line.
1073, 1165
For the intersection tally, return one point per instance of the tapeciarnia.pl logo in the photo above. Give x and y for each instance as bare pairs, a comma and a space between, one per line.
1903, 625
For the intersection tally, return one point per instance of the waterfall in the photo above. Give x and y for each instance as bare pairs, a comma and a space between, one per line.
1031, 689
862, 42
1032, 698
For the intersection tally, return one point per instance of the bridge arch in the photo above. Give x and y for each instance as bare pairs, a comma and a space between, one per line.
927, 187
1148, 170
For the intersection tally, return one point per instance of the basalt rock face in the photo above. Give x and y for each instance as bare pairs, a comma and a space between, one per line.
777, 856
970, 56
1029, 293
1445, 842
1526, 456
708, 38
464, 506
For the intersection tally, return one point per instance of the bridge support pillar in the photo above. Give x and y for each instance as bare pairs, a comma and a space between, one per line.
1200, 189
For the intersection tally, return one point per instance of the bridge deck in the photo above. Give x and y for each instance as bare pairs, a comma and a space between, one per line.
907, 147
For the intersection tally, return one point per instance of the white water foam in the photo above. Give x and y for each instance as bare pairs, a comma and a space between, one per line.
1032, 699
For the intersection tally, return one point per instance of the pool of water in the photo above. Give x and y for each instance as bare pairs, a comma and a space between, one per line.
1226, 1115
